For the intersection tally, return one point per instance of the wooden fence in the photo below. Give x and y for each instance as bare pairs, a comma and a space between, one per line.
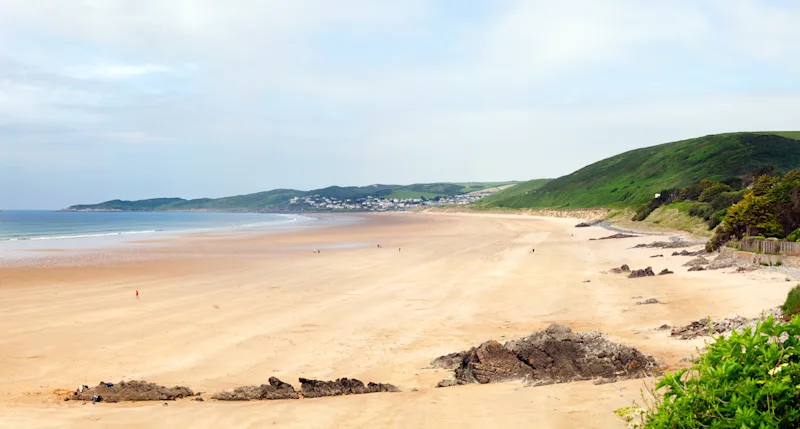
768, 246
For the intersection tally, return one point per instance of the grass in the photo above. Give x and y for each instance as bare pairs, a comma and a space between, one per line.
748, 380
794, 135
663, 219
632, 178
520, 190
791, 306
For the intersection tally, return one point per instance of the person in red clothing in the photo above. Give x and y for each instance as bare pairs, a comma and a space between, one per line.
137, 293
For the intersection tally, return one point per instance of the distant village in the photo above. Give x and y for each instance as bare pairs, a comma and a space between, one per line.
378, 204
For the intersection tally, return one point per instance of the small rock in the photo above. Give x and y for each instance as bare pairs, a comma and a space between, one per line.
648, 301
664, 327
415, 390
199, 399
657, 256
665, 271
697, 268
447, 383
647, 272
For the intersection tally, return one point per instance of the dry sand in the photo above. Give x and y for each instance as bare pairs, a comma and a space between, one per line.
224, 310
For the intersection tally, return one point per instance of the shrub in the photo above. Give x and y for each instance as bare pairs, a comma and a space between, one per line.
702, 210
792, 305
716, 218
794, 235
749, 380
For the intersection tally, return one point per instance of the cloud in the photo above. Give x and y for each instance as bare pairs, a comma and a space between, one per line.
114, 71
310, 93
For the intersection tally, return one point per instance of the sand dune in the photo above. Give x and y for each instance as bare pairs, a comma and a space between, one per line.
227, 310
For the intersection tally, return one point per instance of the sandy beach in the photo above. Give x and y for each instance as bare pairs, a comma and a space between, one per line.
223, 310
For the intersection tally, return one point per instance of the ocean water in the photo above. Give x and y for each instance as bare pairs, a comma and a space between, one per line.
25, 226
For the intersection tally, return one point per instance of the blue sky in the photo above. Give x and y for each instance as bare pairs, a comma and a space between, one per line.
205, 98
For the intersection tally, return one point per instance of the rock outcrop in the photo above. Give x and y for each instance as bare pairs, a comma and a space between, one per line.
555, 355
685, 252
491, 363
589, 223
130, 391
697, 268
706, 326
343, 386
665, 271
648, 301
697, 262
451, 361
276, 389
615, 236
647, 272
661, 245
623, 269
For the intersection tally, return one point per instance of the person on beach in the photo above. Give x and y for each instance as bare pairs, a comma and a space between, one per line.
137, 293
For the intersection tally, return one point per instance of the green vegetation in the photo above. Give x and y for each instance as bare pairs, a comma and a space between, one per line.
516, 193
788, 134
278, 199
792, 305
633, 178
749, 380
771, 209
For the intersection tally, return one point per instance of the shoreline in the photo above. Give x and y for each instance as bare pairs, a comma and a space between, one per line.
219, 311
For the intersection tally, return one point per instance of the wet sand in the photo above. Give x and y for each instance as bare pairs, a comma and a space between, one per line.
224, 310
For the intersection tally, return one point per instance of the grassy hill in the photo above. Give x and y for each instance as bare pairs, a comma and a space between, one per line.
279, 198
633, 177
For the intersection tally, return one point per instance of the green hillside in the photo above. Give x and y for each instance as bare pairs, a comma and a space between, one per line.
632, 178
279, 198
519, 191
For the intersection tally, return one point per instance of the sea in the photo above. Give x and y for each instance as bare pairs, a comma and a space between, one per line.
17, 226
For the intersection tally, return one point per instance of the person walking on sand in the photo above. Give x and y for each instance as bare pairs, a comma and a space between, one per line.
137, 293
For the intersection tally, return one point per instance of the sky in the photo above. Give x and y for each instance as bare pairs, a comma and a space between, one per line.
135, 99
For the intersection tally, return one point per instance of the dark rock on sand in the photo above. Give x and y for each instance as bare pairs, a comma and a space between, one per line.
697, 268
451, 361
554, 355
696, 262
589, 223
663, 245
647, 272
491, 363
559, 355
342, 386
623, 269
617, 235
657, 256
648, 301
132, 391
665, 271
276, 389
685, 252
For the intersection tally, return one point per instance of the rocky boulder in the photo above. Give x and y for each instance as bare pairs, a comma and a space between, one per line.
131, 391
559, 355
589, 223
451, 361
697, 268
647, 272
623, 269
697, 262
554, 355
665, 271
276, 389
342, 386
491, 363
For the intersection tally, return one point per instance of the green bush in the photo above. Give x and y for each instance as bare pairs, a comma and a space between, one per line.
749, 380
792, 305
794, 235
701, 210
